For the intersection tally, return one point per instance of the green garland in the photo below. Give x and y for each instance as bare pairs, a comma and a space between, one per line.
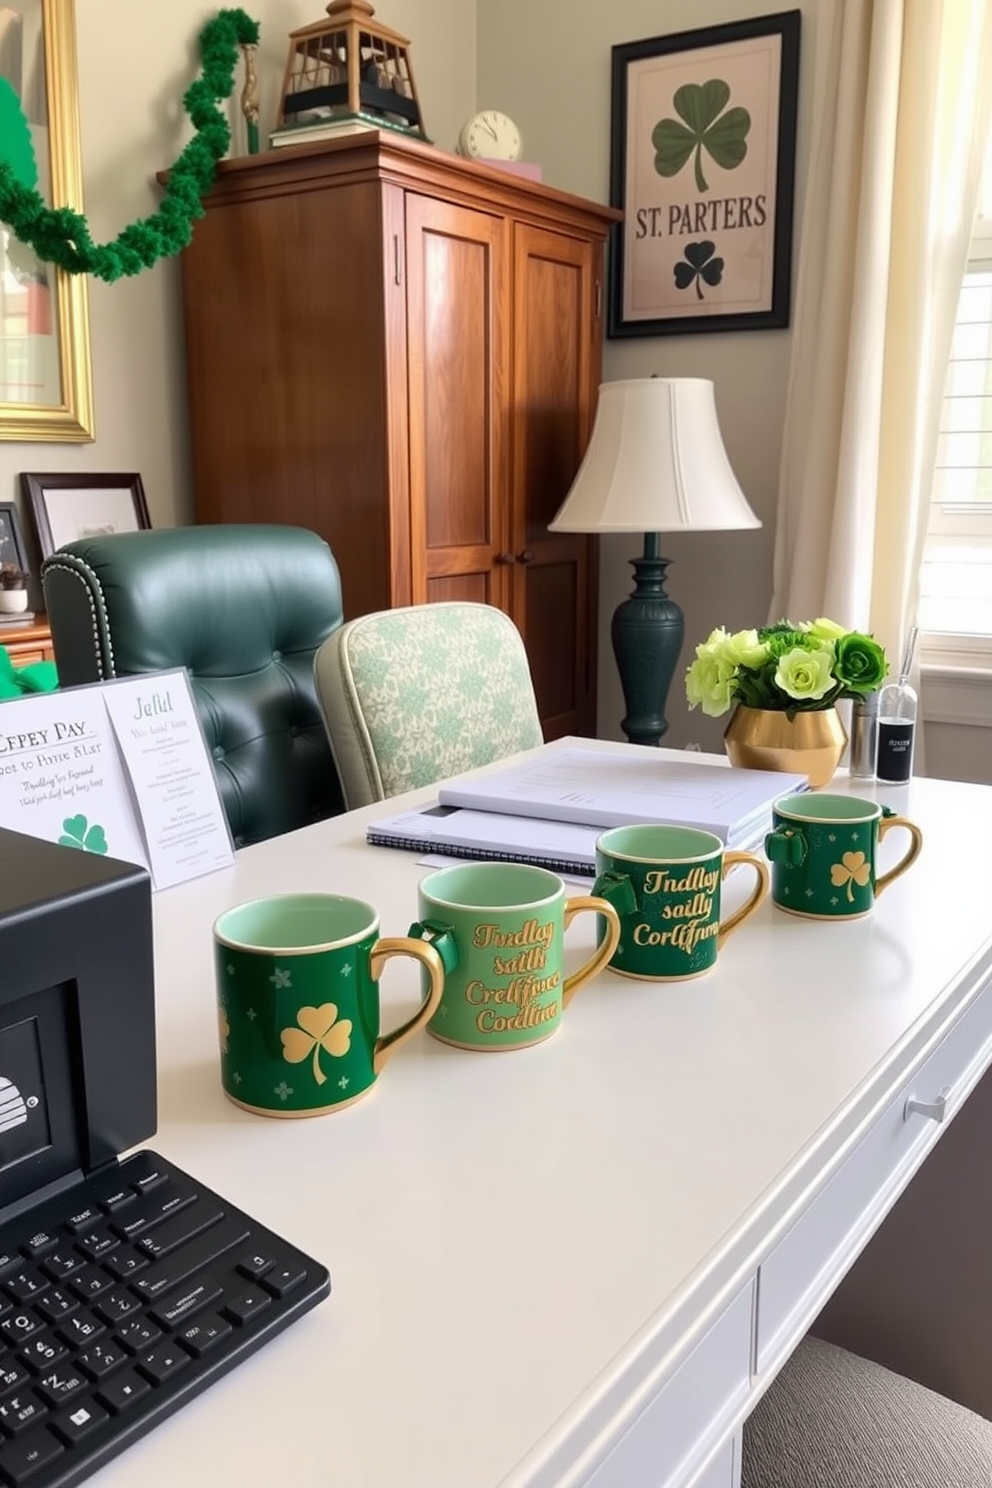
61, 236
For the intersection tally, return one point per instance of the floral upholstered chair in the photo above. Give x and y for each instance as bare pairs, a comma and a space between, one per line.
412, 695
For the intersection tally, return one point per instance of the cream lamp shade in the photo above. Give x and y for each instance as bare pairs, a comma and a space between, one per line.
655, 463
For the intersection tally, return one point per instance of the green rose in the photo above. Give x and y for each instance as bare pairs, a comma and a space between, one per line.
805, 675
861, 663
826, 630
708, 683
744, 648
779, 640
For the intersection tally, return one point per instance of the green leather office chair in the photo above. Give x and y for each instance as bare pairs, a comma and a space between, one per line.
417, 693
244, 607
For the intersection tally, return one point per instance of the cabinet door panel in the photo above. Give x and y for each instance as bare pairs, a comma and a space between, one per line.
456, 273
556, 365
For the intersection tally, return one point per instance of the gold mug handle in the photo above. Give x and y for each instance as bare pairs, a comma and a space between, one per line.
603, 951
420, 950
730, 859
908, 859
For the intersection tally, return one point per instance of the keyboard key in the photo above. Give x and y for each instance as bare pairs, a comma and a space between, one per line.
115, 1201
201, 1337
43, 1350
163, 1362
12, 1376
284, 1279
125, 1262
56, 1304
19, 1326
18, 1412
172, 1233
138, 1335
243, 1308
75, 1423
170, 1311
123, 1390
81, 1329
62, 1263
39, 1244
26, 1284
20, 1460
101, 1358
255, 1265
61, 1384
152, 1209
82, 1219
116, 1306
150, 1180
90, 1282
98, 1243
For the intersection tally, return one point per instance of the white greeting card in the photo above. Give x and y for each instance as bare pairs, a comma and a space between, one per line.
120, 768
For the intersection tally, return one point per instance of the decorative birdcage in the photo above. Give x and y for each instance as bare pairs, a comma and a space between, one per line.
351, 70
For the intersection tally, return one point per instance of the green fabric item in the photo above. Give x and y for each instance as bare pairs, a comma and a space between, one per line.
39, 676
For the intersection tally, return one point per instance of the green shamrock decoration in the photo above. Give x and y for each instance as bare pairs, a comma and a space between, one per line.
79, 833
699, 264
724, 135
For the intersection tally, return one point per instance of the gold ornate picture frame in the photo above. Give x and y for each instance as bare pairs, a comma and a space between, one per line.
46, 388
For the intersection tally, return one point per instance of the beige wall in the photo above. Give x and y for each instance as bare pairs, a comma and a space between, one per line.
547, 62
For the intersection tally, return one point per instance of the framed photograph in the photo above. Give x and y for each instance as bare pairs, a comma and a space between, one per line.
703, 152
45, 373
11, 539
67, 507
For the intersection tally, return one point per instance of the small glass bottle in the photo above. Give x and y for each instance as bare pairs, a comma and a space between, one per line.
897, 707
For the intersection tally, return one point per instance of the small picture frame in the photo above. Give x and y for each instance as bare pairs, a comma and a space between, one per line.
68, 507
703, 149
12, 548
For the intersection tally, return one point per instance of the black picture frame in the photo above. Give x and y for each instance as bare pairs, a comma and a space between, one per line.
698, 249
96, 504
12, 549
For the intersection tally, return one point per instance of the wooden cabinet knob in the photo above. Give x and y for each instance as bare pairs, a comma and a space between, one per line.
525, 556
505, 558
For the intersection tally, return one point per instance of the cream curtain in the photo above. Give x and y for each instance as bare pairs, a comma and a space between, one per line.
902, 105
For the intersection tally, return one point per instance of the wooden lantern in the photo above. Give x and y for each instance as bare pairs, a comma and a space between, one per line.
349, 69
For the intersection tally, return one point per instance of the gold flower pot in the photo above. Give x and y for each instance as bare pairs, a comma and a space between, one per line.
764, 739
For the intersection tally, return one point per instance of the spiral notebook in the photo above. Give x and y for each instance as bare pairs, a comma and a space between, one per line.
564, 847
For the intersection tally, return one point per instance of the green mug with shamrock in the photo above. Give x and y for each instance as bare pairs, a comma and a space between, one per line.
824, 849
298, 1001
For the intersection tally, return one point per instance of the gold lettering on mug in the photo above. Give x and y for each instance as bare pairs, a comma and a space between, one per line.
521, 989
529, 934
683, 937
490, 1021
663, 881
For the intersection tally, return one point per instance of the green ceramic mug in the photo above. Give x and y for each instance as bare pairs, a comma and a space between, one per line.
823, 851
508, 923
666, 882
298, 1001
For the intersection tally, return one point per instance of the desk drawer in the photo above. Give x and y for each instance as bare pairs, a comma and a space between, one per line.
686, 1417
806, 1265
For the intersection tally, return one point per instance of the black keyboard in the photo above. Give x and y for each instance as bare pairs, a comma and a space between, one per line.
120, 1301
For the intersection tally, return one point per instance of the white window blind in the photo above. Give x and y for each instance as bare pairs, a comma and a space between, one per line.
955, 612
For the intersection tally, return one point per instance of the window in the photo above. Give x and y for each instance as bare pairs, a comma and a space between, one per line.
955, 612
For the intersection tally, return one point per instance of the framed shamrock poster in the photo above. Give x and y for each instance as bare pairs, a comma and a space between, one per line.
702, 165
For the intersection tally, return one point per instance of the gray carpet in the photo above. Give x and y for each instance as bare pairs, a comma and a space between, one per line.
834, 1420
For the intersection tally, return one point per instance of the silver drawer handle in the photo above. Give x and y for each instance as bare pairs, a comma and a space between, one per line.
934, 1110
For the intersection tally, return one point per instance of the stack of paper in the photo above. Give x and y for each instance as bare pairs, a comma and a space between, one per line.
550, 810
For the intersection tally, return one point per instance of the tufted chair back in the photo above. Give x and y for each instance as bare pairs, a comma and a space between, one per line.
244, 608
417, 693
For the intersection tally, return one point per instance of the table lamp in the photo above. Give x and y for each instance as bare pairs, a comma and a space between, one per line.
655, 463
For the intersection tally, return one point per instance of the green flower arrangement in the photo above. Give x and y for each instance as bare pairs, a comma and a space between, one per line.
786, 668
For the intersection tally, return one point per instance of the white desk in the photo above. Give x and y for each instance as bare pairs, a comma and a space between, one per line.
545, 1265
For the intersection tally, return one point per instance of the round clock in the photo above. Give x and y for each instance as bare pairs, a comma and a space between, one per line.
490, 134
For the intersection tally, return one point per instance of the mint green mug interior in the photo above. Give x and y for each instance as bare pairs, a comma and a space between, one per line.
493, 886
814, 806
295, 922
649, 843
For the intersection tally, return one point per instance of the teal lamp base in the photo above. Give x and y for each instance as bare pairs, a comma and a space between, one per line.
647, 632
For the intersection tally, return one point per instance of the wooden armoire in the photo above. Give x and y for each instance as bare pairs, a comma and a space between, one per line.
401, 349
